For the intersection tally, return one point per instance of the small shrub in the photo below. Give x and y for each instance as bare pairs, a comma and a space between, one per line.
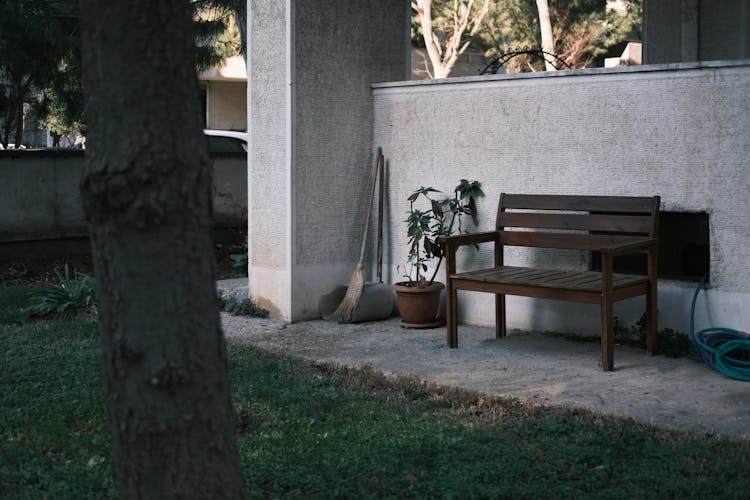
241, 307
672, 343
74, 294
632, 335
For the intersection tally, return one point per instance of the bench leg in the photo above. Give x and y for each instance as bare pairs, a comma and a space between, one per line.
652, 312
651, 321
607, 314
499, 315
450, 315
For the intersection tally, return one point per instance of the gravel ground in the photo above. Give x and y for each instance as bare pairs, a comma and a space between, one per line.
666, 392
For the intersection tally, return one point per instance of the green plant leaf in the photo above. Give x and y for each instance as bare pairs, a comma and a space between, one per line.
424, 227
422, 191
70, 296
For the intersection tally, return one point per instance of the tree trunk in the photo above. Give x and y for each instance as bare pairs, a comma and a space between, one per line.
19, 123
443, 54
545, 25
6, 131
432, 44
147, 196
10, 116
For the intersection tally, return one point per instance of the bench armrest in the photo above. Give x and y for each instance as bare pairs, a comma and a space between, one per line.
452, 243
470, 238
632, 247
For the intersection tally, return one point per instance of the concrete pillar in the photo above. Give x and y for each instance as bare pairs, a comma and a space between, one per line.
689, 28
694, 30
311, 64
662, 31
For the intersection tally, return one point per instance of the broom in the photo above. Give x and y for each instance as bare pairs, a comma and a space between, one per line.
345, 311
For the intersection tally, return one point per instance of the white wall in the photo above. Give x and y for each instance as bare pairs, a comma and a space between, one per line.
679, 131
40, 198
310, 125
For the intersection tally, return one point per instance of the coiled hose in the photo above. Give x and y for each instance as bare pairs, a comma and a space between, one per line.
724, 349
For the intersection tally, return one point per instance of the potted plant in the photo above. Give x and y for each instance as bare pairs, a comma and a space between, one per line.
419, 297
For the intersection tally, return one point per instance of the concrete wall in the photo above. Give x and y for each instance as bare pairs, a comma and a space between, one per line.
310, 125
679, 131
39, 194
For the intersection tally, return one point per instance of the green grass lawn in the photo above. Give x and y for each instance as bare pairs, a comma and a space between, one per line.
322, 431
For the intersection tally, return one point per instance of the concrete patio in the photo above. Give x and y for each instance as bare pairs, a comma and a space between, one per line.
666, 392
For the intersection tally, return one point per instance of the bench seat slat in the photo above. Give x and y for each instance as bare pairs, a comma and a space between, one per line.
570, 241
586, 222
583, 281
580, 281
632, 204
542, 278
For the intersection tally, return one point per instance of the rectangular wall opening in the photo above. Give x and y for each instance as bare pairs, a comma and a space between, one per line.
684, 250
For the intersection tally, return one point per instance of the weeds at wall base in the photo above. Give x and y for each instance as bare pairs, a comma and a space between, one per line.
241, 307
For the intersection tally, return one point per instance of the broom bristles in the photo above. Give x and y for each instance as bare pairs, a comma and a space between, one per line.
345, 311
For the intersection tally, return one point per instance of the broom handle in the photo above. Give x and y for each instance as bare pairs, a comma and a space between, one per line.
381, 190
369, 208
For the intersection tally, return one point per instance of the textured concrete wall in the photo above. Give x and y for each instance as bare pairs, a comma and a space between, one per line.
40, 199
341, 48
677, 131
310, 109
227, 105
39, 196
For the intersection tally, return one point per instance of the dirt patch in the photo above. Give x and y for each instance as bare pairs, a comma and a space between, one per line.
40, 266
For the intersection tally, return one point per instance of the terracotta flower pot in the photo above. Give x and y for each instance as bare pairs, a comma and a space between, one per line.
419, 305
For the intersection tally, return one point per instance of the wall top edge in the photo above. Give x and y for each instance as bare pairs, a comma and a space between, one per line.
42, 152
81, 153
623, 70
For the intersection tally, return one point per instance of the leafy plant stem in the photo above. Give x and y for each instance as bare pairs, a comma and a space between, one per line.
440, 260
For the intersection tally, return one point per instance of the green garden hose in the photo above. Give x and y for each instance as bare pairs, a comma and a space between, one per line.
724, 349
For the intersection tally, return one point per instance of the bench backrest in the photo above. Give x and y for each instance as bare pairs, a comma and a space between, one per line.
576, 222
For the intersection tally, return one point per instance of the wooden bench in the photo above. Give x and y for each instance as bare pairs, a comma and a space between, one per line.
610, 225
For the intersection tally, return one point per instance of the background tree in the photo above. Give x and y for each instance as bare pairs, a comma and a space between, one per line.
582, 30
33, 35
146, 193
447, 28
58, 105
545, 28
40, 61
218, 34
233, 13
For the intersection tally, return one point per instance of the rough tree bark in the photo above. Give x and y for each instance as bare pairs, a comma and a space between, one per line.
545, 25
147, 197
